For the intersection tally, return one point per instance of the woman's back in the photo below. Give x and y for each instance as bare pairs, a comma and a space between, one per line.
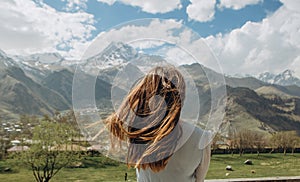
183, 164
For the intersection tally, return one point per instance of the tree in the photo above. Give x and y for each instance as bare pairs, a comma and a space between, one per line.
285, 140
242, 140
28, 122
51, 150
259, 142
247, 139
4, 142
215, 142
231, 138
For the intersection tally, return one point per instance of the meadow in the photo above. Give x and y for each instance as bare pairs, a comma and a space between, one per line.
96, 169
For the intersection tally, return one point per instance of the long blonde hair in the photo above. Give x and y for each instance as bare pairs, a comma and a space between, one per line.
148, 118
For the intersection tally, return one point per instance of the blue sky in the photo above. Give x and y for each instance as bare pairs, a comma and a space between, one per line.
242, 34
224, 21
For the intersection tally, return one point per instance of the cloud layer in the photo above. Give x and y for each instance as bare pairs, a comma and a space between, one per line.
271, 45
204, 10
36, 27
237, 4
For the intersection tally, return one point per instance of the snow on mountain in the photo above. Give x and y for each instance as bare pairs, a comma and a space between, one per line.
2, 58
41, 61
2, 54
36, 66
44, 58
238, 75
118, 54
267, 77
285, 78
115, 55
5, 61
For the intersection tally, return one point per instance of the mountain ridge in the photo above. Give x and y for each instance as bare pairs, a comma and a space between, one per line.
285, 78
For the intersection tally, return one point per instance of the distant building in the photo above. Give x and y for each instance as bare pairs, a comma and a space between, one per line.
18, 149
68, 148
15, 142
95, 148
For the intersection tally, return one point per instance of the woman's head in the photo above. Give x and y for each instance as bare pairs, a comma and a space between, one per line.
148, 117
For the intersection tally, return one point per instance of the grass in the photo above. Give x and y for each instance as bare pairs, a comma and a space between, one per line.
264, 165
109, 174
95, 169
98, 169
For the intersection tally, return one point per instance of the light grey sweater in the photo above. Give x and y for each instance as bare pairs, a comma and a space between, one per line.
188, 164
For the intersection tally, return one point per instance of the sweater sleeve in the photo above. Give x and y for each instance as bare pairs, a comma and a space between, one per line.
202, 169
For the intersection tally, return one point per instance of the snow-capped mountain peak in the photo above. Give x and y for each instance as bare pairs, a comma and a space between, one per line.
267, 77
287, 77
5, 60
2, 54
287, 74
116, 50
115, 54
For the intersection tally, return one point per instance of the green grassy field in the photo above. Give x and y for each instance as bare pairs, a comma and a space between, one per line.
265, 165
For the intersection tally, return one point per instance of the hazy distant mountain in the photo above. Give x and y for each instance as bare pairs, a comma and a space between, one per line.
251, 103
19, 94
273, 90
5, 61
285, 78
61, 82
246, 109
3, 56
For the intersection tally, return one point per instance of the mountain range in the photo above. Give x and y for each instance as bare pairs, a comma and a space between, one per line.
42, 84
285, 78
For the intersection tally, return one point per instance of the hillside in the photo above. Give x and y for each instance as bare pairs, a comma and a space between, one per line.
246, 109
21, 95
251, 103
271, 91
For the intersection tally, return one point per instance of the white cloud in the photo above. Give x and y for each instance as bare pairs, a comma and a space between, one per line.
146, 44
270, 45
291, 4
201, 10
179, 56
31, 27
152, 6
204, 10
109, 2
75, 5
237, 4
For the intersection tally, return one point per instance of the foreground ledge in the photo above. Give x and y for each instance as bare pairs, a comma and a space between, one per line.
267, 179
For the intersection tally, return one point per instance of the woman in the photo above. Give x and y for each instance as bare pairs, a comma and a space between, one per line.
161, 146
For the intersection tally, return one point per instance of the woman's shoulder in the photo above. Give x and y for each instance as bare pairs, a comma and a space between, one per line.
191, 129
195, 135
